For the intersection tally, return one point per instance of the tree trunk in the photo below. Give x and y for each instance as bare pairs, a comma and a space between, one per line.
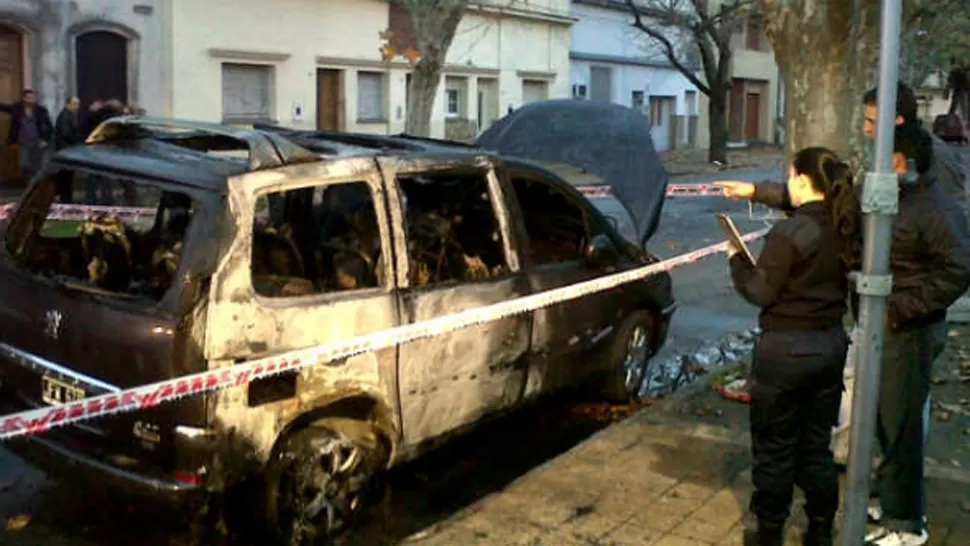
824, 90
717, 121
424, 88
435, 24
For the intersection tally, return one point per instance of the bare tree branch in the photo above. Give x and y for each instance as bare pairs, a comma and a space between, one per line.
667, 47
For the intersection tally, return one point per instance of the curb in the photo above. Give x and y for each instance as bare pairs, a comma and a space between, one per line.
959, 312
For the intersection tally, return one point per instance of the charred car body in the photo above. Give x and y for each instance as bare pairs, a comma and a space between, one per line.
256, 243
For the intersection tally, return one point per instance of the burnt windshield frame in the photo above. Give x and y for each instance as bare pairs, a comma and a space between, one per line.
39, 199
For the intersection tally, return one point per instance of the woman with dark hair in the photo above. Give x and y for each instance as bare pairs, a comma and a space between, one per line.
800, 282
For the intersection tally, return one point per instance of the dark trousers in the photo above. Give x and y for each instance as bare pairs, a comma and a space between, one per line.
907, 364
795, 395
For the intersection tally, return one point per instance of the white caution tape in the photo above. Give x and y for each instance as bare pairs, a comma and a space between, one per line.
61, 211
138, 398
673, 190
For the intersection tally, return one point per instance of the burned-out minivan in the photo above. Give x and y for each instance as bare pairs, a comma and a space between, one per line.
214, 245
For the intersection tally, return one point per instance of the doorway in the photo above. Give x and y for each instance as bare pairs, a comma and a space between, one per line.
752, 117
329, 99
101, 60
11, 88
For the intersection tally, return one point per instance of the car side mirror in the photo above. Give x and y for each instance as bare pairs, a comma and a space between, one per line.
601, 252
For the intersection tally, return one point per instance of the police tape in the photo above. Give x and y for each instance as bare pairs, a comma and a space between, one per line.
40, 420
673, 190
62, 211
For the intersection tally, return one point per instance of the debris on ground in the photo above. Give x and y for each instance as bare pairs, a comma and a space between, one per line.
604, 412
667, 376
736, 389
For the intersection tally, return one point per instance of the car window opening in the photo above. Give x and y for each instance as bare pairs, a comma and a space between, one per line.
132, 253
316, 240
556, 226
453, 230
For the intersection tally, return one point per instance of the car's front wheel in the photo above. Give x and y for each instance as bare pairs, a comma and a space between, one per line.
317, 481
629, 357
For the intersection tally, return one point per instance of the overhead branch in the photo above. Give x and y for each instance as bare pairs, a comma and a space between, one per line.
669, 51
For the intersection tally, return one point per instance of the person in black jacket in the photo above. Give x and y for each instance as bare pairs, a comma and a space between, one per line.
30, 131
800, 282
67, 128
930, 266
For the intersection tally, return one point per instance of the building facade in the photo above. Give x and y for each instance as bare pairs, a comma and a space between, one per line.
610, 61
753, 110
96, 49
312, 64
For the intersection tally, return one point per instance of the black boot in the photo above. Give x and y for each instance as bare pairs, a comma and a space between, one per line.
819, 533
766, 535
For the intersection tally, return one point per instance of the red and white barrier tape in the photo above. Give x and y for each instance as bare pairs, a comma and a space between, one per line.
138, 398
673, 190
61, 211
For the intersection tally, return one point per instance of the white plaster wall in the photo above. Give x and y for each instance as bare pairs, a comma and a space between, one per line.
51, 26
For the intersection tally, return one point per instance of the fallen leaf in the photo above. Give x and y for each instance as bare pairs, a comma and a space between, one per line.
18, 523
939, 381
955, 462
943, 416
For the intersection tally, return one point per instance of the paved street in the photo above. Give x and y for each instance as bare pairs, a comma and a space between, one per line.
557, 475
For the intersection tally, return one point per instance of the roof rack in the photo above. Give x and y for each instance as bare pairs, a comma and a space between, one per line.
266, 149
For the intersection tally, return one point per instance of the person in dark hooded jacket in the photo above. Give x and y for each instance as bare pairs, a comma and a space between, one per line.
930, 266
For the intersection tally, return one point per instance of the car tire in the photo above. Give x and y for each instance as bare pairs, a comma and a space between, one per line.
629, 358
318, 479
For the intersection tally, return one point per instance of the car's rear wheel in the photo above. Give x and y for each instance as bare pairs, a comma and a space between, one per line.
629, 358
318, 479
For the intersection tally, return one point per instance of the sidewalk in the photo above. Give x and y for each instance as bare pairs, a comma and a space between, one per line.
651, 480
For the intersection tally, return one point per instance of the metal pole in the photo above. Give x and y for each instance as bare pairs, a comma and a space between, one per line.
880, 198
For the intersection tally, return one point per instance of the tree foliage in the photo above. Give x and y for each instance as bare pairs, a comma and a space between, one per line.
708, 27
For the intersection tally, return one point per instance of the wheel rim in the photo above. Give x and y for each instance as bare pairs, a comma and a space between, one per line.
320, 489
634, 365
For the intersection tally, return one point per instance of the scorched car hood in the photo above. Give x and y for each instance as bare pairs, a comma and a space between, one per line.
606, 139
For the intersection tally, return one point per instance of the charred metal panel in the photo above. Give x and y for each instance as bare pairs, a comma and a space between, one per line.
243, 325
455, 379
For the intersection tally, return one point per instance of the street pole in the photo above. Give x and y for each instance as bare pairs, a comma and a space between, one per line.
880, 199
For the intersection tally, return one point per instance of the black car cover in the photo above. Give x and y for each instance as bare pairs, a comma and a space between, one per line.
606, 139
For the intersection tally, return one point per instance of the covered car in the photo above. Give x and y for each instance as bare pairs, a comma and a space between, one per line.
605, 139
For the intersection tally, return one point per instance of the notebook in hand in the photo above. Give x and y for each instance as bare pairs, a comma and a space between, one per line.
735, 237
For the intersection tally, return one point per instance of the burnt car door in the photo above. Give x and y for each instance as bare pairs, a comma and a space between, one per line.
309, 265
91, 303
455, 253
558, 224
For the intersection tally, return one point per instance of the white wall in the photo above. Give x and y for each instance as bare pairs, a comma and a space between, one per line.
52, 25
298, 36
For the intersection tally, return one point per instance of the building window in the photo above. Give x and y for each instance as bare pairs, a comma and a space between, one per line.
454, 102
690, 103
370, 96
247, 92
636, 101
579, 91
534, 91
753, 35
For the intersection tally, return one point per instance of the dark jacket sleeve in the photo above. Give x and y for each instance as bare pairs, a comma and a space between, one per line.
943, 232
63, 132
760, 284
772, 194
44, 126
947, 169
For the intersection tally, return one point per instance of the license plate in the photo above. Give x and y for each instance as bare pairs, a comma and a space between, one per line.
55, 392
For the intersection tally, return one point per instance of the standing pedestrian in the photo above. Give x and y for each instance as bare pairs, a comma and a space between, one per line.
930, 266
800, 282
67, 128
30, 131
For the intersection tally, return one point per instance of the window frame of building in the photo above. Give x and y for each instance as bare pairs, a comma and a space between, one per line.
753, 29
372, 115
638, 99
265, 115
453, 99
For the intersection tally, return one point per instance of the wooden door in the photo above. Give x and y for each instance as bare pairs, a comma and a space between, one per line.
102, 67
329, 99
752, 117
736, 110
11, 88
